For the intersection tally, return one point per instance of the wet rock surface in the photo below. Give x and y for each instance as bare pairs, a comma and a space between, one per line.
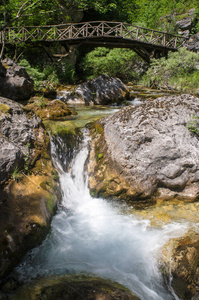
74, 288
147, 151
182, 260
101, 90
29, 183
15, 82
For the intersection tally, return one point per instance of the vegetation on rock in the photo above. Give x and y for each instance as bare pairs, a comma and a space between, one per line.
26, 206
179, 71
48, 110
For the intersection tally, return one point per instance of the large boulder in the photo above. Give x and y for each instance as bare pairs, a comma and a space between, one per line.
148, 151
15, 82
101, 90
29, 183
17, 134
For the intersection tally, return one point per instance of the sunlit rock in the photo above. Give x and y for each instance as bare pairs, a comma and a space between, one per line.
101, 90
29, 183
148, 151
181, 258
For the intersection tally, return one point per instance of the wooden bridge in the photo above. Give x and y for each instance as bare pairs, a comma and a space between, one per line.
145, 42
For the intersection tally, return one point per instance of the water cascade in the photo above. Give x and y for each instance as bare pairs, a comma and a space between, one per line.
100, 238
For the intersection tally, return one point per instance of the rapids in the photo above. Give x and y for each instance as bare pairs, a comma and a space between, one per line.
102, 238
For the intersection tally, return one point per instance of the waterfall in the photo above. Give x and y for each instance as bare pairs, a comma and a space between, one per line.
94, 236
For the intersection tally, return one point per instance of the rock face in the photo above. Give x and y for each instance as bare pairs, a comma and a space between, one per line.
101, 90
193, 43
185, 24
74, 288
17, 135
147, 151
29, 184
15, 83
182, 261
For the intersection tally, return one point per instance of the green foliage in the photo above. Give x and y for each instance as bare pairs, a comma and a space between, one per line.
178, 71
115, 62
42, 102
154, 14
51, 74
27, 158
33, 72
17, 174
193, 125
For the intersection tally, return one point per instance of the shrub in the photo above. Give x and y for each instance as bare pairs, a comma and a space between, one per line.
122, 63
51, 74
178, 71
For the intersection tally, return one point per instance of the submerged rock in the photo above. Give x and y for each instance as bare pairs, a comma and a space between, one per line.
101, 90
148, 151
29, 184
74, 288
15, 82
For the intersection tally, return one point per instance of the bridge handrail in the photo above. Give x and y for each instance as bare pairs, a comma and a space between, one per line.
93, 22
74, 31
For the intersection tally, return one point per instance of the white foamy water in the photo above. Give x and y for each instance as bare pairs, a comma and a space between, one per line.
93, 236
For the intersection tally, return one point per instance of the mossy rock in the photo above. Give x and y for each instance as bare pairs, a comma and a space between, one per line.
4, 109
49, 110
74, 288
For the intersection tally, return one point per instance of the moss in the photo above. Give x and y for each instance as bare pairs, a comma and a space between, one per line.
4, 109
43, 185
55, 175
49, 110
100, 156
74, 287
50, 203
98, 128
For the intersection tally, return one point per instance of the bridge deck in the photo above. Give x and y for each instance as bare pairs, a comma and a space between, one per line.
99, 33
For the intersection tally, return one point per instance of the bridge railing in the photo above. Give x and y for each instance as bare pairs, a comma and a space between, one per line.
90, 30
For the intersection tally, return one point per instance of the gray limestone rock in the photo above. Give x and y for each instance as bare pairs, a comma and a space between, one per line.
16, 132
101, 90
15, 82
151, 147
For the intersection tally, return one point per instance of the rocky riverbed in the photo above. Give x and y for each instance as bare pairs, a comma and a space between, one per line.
29, 183
143, 154
150, 154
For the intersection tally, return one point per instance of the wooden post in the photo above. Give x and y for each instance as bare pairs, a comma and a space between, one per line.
175, 44
164, 39
70, 32
137, 33
87, 29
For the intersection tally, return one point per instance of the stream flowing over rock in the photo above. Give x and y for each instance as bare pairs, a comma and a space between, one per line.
101, 90
15, 82
29, 188
147, 151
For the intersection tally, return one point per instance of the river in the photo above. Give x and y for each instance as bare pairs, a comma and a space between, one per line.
101, 238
